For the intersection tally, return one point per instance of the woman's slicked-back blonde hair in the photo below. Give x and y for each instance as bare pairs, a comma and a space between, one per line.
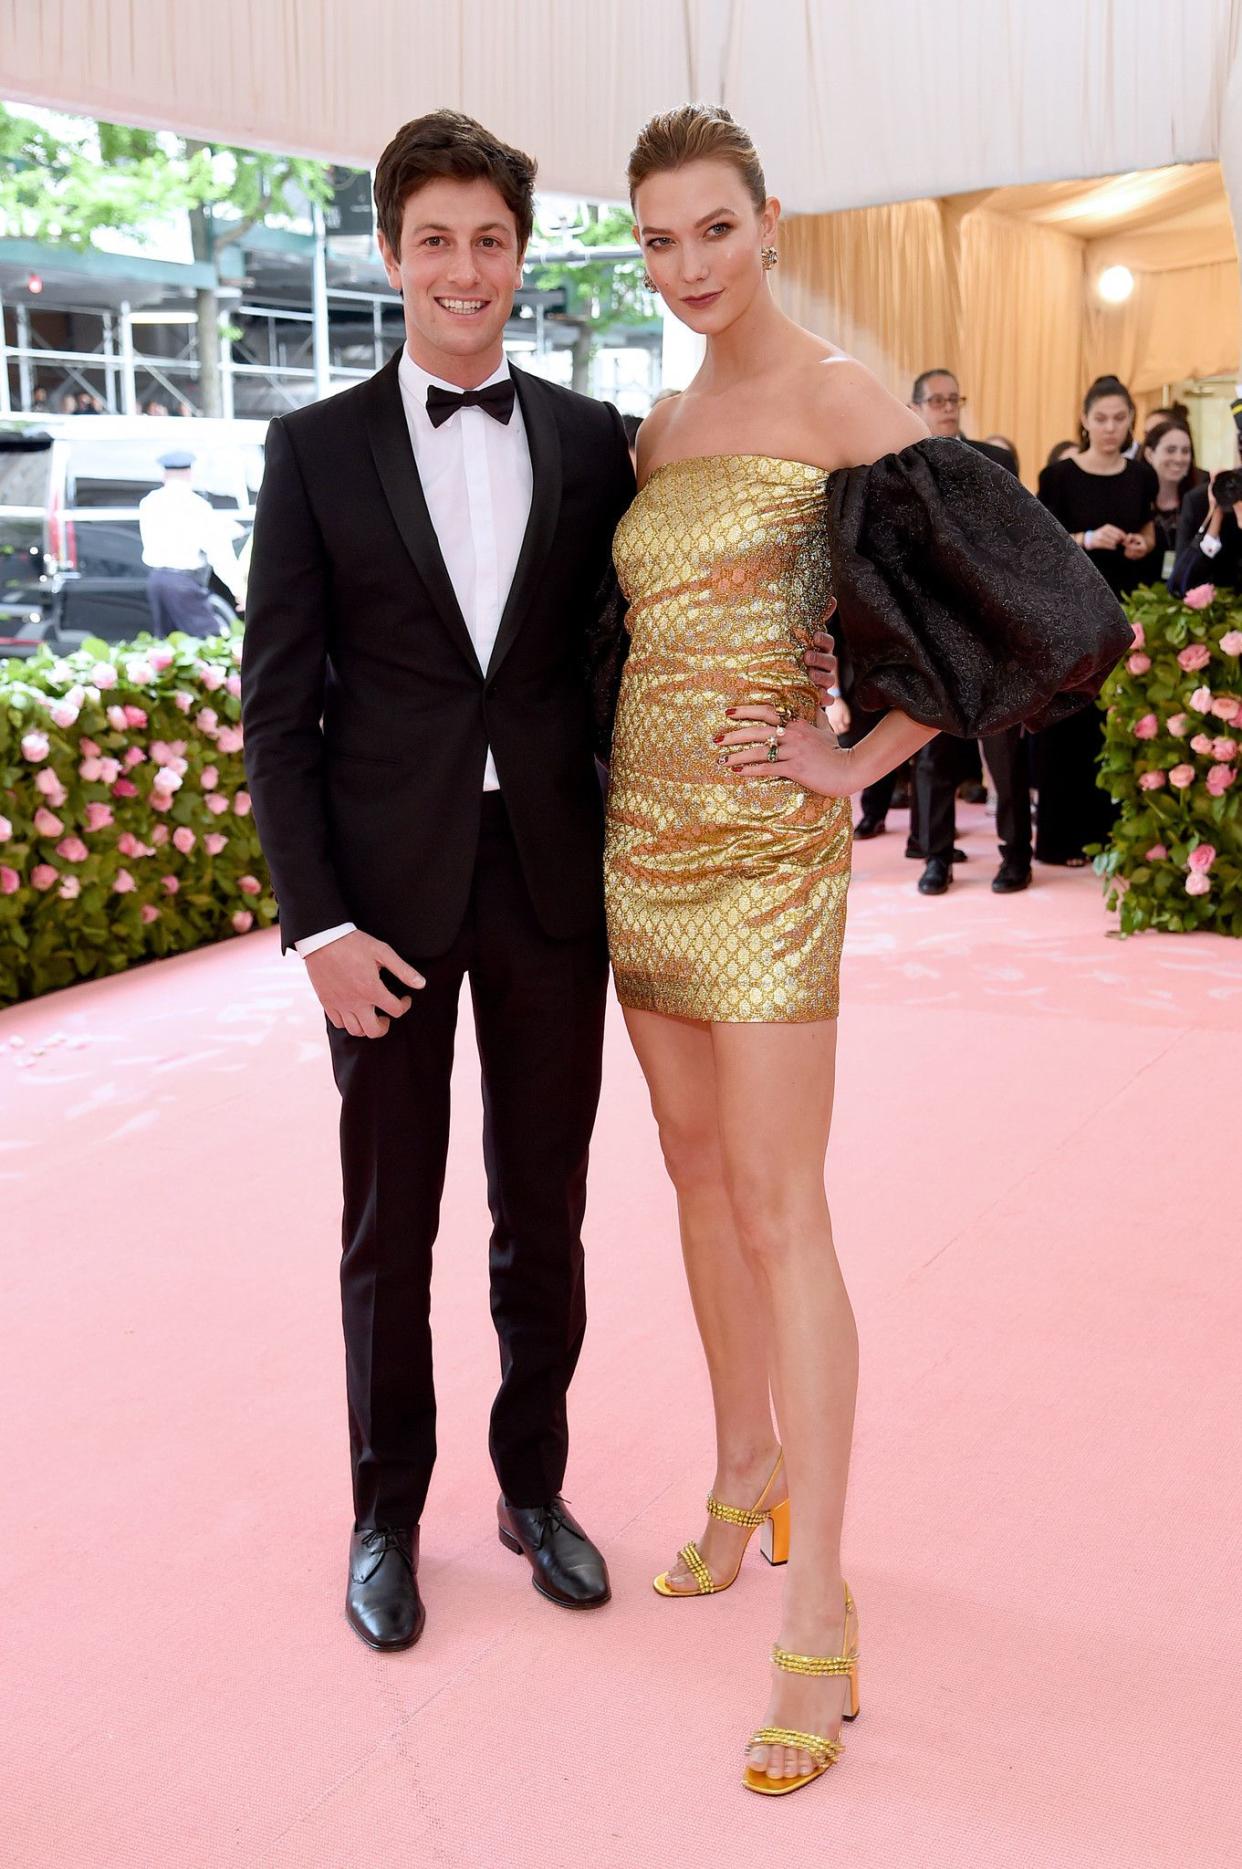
696, 133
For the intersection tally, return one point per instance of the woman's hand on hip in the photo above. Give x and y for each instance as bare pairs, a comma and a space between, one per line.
763, 746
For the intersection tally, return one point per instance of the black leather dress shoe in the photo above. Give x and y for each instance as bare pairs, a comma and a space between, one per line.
1011, 877
936, 877
914, 853
566, 1566
869, 827
381, 1598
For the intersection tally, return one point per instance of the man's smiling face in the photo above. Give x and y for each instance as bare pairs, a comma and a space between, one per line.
457, 272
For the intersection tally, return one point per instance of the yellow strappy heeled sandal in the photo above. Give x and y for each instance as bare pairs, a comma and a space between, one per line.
823, 1752
774, 1543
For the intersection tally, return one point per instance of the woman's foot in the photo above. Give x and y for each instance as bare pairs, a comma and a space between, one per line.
807, 1703
722, 1546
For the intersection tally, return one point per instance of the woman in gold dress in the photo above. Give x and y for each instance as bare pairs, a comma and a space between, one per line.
782, 480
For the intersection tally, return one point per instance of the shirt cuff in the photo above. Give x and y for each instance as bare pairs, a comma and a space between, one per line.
1209, 544
310, 944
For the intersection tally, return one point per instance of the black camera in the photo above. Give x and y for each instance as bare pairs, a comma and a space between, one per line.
1227, 486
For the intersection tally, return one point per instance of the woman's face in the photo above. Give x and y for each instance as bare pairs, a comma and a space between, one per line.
1171, 456
1107, 423
701, 238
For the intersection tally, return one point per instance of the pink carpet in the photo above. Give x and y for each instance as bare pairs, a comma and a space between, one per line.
1035, 1185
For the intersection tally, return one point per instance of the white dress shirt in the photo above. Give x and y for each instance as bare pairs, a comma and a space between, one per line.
181, 531
477, 480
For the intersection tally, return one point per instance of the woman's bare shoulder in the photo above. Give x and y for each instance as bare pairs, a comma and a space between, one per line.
652, 436
849, 416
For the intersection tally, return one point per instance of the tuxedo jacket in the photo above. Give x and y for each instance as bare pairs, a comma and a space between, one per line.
1192, 566
367, 717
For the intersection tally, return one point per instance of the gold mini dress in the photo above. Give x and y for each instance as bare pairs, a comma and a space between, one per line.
725, 896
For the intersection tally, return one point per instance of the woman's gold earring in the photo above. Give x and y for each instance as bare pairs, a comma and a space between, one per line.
649, 282
769, 256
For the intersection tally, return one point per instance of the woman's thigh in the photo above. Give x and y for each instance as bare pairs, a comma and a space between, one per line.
678, 1062
774, 1094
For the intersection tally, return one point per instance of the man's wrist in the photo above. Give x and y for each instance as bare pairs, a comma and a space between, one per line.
311, 944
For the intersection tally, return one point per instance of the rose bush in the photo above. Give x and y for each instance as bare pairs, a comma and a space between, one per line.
125, 824
1172, 739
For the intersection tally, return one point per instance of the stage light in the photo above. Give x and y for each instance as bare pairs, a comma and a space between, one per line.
1115, 284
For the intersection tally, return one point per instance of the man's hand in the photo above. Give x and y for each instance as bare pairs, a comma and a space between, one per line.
346, 976
837, 714
821, 662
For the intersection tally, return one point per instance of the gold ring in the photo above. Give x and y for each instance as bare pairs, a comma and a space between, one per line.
772, 752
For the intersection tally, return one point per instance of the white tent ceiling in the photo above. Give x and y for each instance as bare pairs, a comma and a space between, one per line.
851, 102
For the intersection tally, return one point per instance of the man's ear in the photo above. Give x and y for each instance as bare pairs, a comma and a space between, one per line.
391, 265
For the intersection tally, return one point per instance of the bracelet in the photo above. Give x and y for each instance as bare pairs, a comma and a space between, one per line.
1087, 537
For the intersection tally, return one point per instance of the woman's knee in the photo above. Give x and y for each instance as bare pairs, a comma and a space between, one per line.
774, 1220
691, 1151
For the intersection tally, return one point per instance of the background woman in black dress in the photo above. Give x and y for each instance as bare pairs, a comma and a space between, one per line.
1169, 451
1104, 500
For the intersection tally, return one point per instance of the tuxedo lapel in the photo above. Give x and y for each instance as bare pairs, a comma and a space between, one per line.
545, 507
393, 455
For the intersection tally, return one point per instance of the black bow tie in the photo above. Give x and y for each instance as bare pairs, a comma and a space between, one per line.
496, 398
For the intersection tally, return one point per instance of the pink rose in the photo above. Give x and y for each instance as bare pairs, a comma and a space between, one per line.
1226, 707
43, 875
10, 881
109, 770
125, 788
207, 721
128, 844
1197, 884
134, 756
216, 802
1219, 779
241, 804
135, 716
183, 700
139, 670
1231, 642
243, 921
1198, 599
1182, 776
91, 770
1156, 854
1151, 781
124, 883
161, 752
6, 830
214, 842
183, 838
72, 849
209, 778
1201, 700
160, 657
1147, 728
165, 780
1224, 748
47, 823
34, 746
250, 885
64, 714
88, 748
1195, 655
116, 719
47, 782
1202, 857
1201, 744
149, 913
159, 836
211, 678
1139, 663
103, 675
170, 884
70, 888
1177, 725
229, 740
1140, 639
233, 684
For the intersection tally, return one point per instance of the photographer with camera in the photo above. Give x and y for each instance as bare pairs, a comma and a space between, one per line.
1209, 537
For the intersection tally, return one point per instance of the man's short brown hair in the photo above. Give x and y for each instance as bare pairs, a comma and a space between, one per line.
446, 143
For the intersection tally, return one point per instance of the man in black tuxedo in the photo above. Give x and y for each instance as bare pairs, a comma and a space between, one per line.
1209, 529
429, 554
937, 397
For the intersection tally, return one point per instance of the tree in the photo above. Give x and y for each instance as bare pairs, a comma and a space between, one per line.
600, 292
62, 181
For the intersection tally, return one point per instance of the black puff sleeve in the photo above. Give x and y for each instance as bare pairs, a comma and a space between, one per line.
962, 600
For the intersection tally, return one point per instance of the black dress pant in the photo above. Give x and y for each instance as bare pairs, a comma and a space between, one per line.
178, 600
1073, 810
539, 1019
933, 810
1008, 758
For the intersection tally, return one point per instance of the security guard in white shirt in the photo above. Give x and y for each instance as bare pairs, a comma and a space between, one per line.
182, 536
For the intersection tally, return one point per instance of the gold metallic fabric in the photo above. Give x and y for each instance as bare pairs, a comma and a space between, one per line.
726, 896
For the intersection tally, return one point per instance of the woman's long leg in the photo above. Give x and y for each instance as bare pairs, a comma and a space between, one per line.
774, 1095
677, 1060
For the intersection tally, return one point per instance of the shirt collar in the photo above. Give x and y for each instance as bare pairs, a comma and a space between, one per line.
416, 381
